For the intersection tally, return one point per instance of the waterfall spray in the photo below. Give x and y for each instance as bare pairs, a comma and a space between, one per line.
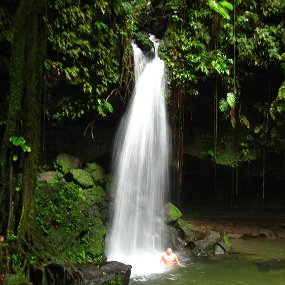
141, 170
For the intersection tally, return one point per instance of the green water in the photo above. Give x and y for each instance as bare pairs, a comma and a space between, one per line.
259, 262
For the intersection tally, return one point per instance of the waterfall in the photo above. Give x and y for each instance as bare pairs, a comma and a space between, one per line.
141, 170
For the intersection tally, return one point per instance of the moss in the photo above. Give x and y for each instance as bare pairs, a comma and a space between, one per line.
172, 212
70, 222
66, 162
15, 279
96, 171
82, 177
187, 230
143, 41
117, 281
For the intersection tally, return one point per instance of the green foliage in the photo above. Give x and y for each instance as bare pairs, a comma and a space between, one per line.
85, 40
226, 240
244, 121
21, 143
225, 154
118, 281
69, 219
231, 99
223, 105
281, 92
221, 7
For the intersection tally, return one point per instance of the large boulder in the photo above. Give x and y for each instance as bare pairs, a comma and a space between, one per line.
66, 162
112, 272
172, 213
209, 241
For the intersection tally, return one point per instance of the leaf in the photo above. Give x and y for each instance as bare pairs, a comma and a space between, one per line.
27, 149
220, 8
223, 105
233, 121
257, 129
108, 107
231, 99
47, 64
281, 91
15, 157
244, 121
226, 5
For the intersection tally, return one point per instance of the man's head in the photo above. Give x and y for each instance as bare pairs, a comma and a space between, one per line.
168, 251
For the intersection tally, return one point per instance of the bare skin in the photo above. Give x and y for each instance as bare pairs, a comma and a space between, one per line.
169, 258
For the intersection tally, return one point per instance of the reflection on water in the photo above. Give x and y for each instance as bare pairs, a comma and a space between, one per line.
254, 262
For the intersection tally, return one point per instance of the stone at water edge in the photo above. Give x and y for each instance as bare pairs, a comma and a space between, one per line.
189, 232
209, 241
107, 272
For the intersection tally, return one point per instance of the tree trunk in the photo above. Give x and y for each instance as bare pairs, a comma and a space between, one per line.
24, 117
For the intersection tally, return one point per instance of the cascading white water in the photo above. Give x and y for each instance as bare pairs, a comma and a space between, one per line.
141, 174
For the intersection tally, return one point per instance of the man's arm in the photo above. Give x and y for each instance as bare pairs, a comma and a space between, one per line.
176, 260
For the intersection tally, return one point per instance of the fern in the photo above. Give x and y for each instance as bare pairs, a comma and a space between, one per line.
226, 5
221, 8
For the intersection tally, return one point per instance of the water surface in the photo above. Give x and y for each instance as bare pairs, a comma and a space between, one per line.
260, 262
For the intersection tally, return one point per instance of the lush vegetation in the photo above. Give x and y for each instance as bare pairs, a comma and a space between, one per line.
71, 60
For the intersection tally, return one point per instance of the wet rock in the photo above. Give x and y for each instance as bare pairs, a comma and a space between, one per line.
218, 250
188, 231
209, 241
198, 252
174, 239
108, 272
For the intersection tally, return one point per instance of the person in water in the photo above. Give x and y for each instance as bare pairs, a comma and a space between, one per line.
169, 258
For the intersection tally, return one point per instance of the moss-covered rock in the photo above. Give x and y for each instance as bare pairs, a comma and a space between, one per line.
71, 222
96, 171
172, 213
143, 41
187, 229
66, 162
82, 177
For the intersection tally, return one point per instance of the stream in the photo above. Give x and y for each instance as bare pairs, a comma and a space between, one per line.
260, 262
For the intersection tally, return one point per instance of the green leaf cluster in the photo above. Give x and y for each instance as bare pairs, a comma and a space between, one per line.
19, 142
85, 45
